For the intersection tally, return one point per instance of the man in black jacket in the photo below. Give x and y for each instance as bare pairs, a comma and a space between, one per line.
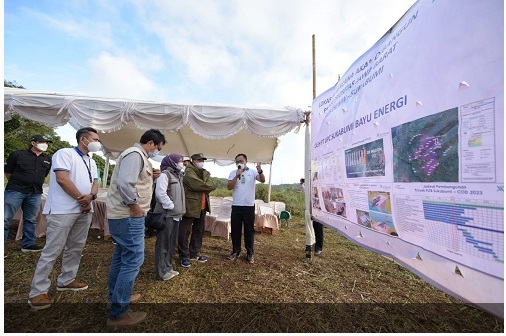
25, 171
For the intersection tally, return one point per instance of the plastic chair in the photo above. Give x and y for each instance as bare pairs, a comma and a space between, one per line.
284, 215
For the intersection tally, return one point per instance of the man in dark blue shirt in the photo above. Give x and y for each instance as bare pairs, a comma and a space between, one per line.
25, 171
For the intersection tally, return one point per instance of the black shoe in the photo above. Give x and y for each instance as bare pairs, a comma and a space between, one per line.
32, 248
309, 250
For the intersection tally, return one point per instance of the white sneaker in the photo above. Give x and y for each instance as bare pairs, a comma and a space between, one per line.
174, 272
168, 276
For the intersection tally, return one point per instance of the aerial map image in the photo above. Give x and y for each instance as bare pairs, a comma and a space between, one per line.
383, 223
426, 149
379, 201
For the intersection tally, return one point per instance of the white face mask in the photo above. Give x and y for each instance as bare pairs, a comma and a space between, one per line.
200, 165
241, 166
41, 146
94, 146
180, 165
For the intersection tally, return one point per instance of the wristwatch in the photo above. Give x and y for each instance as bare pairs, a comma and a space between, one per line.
93, 197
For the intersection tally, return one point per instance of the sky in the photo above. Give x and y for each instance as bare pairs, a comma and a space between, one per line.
244, 53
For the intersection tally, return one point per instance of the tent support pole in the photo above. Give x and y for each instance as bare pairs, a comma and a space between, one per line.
270, 184
310, 238
106, 171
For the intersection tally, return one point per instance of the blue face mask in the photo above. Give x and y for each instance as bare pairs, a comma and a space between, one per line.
152, 155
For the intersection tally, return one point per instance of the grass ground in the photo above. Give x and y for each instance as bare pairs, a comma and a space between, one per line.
347, 289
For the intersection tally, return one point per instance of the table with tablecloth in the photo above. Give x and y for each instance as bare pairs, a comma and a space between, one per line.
98, 219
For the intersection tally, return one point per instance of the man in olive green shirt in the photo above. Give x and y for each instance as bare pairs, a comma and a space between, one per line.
197, 186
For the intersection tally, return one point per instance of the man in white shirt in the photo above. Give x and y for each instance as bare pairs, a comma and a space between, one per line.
242, 182
73, 186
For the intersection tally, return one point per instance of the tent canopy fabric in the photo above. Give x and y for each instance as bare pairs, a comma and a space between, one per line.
220, 132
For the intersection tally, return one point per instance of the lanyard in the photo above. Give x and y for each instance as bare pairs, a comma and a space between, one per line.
81, 154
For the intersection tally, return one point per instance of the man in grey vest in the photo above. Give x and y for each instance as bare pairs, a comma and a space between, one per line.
128, 201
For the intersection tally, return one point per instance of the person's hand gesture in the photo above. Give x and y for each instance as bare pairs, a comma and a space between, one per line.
156, 173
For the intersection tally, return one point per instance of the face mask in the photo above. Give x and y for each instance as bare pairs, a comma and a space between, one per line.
94, 146
200, 165
41, 146
241, 166
180, 165
152, 155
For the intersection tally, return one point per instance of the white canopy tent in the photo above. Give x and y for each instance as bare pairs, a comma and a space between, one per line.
220, 132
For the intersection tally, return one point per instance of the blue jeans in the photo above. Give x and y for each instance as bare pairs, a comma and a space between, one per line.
128, 233
30, 204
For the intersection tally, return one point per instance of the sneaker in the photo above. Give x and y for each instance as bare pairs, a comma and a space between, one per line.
41, 301
75, 285
129, 319
186, 263
234, 255
136, 297
32, 248
250, 258
168, 276
174, 272
318, 253
200, 259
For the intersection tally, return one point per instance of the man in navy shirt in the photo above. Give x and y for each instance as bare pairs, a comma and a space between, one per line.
25, 171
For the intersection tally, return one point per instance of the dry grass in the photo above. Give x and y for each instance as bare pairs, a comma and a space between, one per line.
348, 289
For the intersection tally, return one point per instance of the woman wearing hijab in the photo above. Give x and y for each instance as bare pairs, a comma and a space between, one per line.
170, 196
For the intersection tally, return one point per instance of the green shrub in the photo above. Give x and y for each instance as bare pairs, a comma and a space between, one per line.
221, 192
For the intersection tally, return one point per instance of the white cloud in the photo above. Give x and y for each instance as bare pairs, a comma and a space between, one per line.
120, 77
78, 27
257, 50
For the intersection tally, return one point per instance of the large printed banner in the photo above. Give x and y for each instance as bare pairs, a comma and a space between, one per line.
409, 143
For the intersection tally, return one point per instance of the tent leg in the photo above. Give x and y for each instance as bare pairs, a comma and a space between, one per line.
310, 238
270, 184
106, 171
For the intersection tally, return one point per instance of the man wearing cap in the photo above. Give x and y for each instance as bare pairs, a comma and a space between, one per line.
25, 171
197, 186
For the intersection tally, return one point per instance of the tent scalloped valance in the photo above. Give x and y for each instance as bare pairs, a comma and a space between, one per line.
187, 127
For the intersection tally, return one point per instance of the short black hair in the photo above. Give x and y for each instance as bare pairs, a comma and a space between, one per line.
153, 135
84, 132
244, 155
